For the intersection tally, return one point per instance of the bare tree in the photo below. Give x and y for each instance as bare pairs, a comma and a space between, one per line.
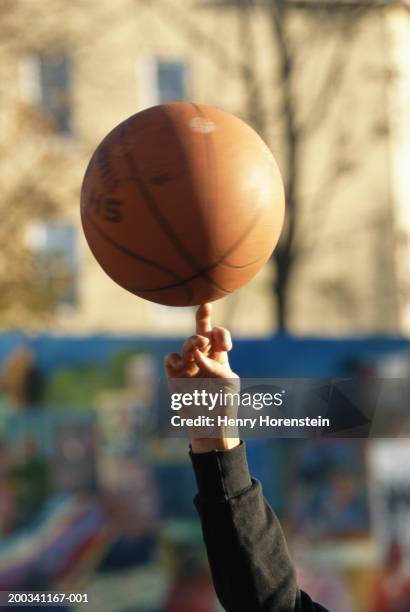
287, 252
297, 113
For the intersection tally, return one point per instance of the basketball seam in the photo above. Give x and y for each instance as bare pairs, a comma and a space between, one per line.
145, 260
181, 281
163, 222
216, 263
211, 181
224, 264
168, 231
193, 277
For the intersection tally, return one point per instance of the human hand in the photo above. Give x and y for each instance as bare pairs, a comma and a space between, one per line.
204, 355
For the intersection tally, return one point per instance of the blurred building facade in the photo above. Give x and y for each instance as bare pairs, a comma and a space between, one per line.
70, 72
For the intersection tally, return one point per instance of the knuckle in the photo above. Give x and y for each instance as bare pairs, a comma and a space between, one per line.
218, 331
223, 333
201, 339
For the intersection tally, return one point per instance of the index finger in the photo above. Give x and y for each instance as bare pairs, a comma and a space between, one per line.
203, 319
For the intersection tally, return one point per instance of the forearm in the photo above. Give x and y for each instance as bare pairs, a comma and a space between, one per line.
247, 552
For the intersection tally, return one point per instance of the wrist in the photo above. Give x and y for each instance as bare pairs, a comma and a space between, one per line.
206, 445
221, 475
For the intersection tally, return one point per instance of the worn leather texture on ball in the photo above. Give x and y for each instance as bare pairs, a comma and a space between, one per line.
182, 204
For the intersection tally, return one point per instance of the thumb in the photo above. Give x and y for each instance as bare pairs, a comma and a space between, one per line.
210, 367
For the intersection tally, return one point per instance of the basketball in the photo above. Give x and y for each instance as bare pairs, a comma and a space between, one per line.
182, 204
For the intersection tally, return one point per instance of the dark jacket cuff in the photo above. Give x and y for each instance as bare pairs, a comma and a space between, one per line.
221, 475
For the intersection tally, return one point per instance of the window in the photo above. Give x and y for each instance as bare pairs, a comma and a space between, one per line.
55, 248
54, 79
46, 83
161, 81
171, 81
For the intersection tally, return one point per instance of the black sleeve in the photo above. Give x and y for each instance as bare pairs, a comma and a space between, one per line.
247, 552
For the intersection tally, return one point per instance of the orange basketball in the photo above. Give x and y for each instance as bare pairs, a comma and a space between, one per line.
182, 204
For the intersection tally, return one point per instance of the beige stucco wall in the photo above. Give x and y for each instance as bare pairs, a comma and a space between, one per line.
398, 31
346, 281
